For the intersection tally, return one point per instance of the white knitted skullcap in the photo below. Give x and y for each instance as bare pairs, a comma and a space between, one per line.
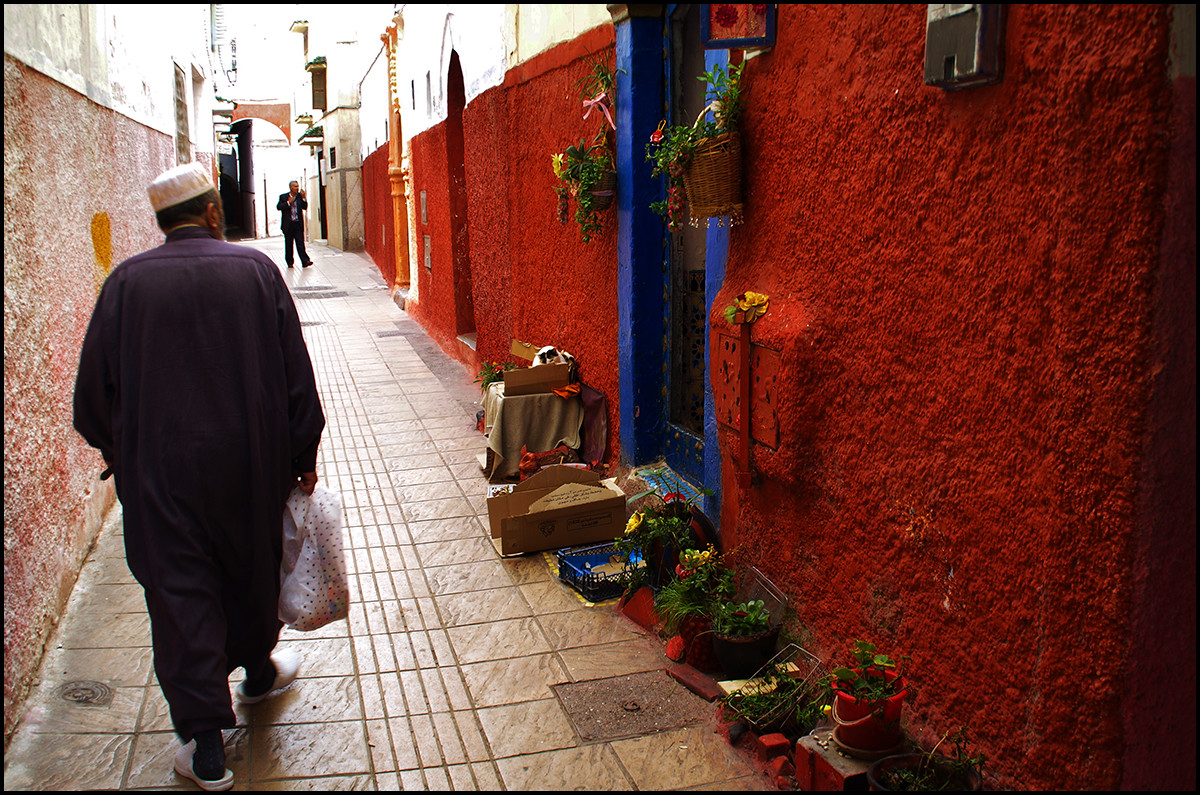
178, 185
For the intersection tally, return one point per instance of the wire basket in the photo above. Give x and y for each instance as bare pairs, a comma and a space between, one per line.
770, 700
713, 178
754, 585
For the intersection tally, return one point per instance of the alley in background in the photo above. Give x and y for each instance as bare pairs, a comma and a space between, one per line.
442, 677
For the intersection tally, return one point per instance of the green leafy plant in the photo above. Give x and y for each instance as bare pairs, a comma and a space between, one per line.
663, 525
579, 171
702, 580
781, 700
867, 680
671, 148
601, 79
933, 771
741, 619
582, 169
492, 372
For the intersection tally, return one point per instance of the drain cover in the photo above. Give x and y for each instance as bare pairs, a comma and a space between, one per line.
96, 694
630, 706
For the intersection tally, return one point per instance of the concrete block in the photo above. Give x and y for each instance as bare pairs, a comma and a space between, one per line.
822, 767
771, 746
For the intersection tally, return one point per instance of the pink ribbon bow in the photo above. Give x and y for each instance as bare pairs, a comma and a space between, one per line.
598, 101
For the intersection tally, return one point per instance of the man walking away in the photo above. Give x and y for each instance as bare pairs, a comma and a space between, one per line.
196, 386
293, 204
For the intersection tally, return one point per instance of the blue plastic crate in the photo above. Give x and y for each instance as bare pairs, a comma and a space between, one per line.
575, 566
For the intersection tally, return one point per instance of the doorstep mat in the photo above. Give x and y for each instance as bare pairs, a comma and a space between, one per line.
630, 705
665, 481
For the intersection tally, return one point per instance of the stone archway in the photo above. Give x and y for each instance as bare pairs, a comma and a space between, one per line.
278, 114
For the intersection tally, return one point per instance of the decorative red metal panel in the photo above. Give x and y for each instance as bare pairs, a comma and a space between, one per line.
764, 370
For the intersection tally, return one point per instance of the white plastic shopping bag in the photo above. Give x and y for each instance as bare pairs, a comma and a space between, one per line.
314, 589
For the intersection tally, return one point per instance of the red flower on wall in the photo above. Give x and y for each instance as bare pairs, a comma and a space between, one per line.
726, 15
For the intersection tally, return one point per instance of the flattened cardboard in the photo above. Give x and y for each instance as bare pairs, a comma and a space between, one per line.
534, 380
559, 506
524, 350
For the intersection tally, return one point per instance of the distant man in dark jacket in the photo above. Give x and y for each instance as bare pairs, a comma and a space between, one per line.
293, 204
196, 386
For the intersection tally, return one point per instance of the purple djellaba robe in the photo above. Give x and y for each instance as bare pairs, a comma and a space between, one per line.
196, 386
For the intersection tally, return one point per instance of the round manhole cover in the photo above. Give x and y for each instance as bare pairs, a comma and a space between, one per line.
86, 692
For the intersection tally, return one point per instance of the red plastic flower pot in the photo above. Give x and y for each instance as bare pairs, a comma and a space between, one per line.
699, 644
868, 727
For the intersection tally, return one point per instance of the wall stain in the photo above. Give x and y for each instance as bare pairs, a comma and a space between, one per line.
102, 247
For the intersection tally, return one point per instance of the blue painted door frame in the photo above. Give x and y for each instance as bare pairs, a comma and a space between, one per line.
642, 60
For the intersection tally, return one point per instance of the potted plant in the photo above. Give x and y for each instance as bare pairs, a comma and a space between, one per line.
659, 531
585, 173
930, 770
687, 603
702, 162
491, 372
868, 699
743, 637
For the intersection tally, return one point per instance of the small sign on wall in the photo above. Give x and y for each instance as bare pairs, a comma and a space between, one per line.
737, 25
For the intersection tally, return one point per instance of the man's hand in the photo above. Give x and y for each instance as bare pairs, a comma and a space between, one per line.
308, 482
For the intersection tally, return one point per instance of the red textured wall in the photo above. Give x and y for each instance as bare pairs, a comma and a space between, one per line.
961, 290
378, 220
533, 278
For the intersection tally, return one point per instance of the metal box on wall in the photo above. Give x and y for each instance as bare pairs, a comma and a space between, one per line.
963, 44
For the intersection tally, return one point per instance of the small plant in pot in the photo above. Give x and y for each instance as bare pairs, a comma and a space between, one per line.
868, 698
687, 604
585, 172
928, 771
743, 637
491, 372
658, 532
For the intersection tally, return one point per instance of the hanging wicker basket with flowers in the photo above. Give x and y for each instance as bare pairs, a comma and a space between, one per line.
703, 162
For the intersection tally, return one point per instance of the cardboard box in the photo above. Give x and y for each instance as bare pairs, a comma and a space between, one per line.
534, 380
524, 350
559, 506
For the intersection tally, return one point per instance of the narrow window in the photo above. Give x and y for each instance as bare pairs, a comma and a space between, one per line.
318, 89
183, 147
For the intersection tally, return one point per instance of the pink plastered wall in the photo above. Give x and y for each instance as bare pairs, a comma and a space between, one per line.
75, 177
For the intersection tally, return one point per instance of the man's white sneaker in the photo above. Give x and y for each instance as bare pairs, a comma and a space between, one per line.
287, 666
183, 766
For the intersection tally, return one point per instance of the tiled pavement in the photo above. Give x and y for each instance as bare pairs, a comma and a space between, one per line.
441, 679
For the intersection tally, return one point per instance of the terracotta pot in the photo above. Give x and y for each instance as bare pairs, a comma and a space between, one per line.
698, 642
868, 729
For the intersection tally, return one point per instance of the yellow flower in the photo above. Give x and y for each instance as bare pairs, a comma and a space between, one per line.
557, 162
826, 710
634, 522
754, 305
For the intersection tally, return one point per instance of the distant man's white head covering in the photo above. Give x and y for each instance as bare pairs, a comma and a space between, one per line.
178, 185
